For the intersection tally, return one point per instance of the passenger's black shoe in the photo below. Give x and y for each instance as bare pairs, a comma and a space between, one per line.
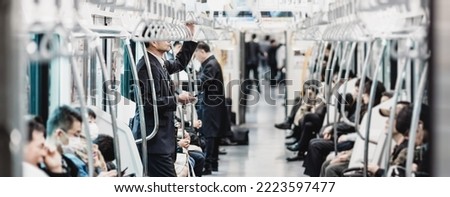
294, 147
215, 169
290, 136
296, 158
291, 143
284, 125
227, 142
222, 151
206, 172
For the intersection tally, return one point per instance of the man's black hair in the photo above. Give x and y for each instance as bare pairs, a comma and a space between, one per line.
106, 146
90, 112
204, 46
34, 124
62, 117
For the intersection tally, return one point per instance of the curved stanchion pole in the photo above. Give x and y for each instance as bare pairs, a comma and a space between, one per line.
328, 76
84, 116
190, 84
361, 90
347, 73
343, 55
370, 106
319, 64
182, 121
140, 104
314, 56
415, 121
398, 85
112, 111
154, 104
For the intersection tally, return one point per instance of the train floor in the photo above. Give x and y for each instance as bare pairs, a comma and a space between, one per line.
266, 154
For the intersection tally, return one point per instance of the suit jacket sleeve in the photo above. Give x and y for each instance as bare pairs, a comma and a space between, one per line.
207, 76
183, 58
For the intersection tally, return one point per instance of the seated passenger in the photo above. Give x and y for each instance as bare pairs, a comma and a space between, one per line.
63, 133
34, 150
400, 136
336, 166
319, 148
92, 118
105, 145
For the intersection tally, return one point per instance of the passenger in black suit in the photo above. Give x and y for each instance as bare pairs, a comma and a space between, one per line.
161, 148
215, 120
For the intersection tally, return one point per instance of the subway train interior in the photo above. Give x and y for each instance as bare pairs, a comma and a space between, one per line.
231, 88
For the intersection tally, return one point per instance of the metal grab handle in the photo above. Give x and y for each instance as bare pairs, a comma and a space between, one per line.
154, 103
183, 32
84, 116
42, 52
140, 105
388, 142
415, 121
370, 106
112, 111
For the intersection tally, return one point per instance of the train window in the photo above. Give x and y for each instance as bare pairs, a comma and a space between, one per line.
126, 76
38, 83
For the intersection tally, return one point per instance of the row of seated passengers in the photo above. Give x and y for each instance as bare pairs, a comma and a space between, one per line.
307, 117
60, 148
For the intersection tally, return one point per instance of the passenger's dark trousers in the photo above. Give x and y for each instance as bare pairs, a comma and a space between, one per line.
318, 150
297, 105
333, 170
254, 69
199, 159
161, 165
311, 123
273, 74
212, 153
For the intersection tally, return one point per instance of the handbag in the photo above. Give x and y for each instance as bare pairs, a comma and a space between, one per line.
182, 164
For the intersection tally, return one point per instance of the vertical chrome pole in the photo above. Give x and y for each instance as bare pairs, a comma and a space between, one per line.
12, 86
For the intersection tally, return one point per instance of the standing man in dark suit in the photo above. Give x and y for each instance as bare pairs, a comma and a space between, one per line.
161, 148
252, 53
215, 121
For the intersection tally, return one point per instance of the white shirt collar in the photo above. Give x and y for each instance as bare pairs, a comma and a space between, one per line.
160, 60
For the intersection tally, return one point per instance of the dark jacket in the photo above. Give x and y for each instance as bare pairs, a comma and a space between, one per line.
272, 56
70, 168
164, 142
215, 121
252, 53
